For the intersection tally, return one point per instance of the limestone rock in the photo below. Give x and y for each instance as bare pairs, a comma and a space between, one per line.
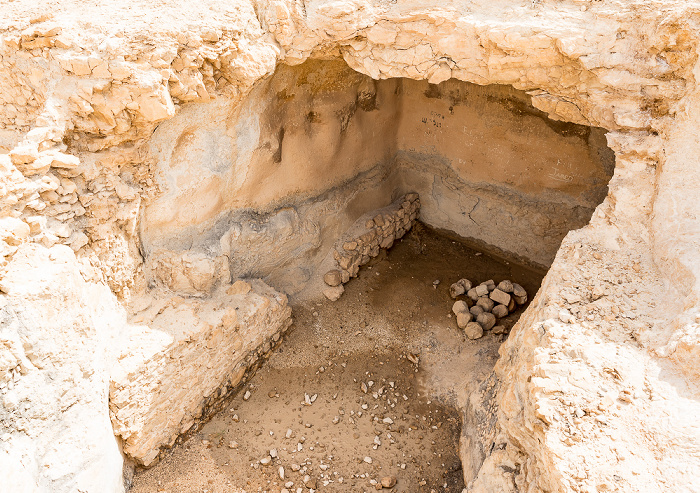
460, 307
332, 278
333, 293
500, 311
500, 297
486, 320
463, 318
473, 330
456, 289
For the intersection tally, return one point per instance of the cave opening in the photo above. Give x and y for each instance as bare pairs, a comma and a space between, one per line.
285, 186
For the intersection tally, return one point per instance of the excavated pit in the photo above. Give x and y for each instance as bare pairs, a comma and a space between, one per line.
390, 311
321, 169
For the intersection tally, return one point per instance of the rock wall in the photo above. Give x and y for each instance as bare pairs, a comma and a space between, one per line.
591, 396
179, 357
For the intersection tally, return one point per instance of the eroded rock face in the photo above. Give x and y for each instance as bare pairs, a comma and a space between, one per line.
99, 153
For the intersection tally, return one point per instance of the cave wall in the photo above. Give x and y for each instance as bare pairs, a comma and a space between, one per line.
271, 183
491, 167
84, 87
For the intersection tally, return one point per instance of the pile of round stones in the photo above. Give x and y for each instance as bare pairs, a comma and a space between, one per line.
484, 305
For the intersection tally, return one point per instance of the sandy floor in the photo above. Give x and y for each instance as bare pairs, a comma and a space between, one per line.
371, 412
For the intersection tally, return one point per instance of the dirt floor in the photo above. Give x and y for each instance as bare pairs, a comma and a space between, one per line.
362, 389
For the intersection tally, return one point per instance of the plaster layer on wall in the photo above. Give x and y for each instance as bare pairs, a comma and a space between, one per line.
88, 84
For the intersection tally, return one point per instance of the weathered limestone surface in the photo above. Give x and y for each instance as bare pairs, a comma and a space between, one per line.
57, 325
597, 384
178, 356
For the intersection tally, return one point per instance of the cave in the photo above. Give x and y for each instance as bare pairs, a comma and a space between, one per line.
223, 222
274, 182
283, 187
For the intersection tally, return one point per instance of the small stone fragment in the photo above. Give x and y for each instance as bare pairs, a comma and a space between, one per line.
368, 460
463, 318
500, 311
485, 303
481, 290
460, 307
471, 293
333, 278
486, 320
388, 482
333, 293
466, 283
500, 297
239, 287
473, 330
506, 286
456, 290
266, 460
518, 290
499, 329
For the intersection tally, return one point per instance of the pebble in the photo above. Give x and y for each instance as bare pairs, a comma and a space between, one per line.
463, 319
273, 453
500, 297
466, 283
456, 290
368, 460
388, 481
472, 295
481, 290
460, 307
473, 330
499, 329
485, 303
265, 460
506, 286
500, 311
486, 320
333, 293
280, 471
332, 278
233, 444
247, 395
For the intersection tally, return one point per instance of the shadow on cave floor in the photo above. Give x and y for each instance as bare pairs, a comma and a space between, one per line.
406, 425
